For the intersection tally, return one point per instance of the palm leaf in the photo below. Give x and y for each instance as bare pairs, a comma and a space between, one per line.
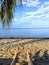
6, 11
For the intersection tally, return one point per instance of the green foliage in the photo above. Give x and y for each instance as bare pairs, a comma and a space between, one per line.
6, 11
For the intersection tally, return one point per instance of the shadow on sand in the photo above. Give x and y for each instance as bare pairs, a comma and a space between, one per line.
44, 60
5, 61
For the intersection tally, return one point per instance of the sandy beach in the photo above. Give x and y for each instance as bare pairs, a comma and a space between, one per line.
38, 47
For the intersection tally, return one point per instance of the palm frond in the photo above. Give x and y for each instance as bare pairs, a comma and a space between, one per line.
6, 10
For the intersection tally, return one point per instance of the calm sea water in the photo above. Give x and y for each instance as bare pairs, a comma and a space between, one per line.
24, 29
24, 33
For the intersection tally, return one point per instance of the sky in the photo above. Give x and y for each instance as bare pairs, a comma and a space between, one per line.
33, 14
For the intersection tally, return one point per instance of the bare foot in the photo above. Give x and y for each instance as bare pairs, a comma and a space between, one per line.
15, 58
29, 54
16, 53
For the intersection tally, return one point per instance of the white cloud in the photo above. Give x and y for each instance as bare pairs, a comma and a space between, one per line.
31, 2
41, 12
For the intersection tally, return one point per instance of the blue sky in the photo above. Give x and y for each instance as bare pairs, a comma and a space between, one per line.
33, 14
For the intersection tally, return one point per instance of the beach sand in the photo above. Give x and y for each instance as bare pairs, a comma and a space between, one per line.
38, 47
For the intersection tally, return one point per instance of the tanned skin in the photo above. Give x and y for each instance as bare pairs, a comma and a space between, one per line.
15, 58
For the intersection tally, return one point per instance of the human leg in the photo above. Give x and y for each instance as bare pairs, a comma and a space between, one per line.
15, 58
29, 58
